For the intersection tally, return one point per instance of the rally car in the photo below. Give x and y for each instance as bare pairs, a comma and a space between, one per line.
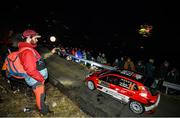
126, 86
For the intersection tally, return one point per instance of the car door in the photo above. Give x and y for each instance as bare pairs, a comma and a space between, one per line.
132, 89
106, 84
114, 89
127, 88
114, 82
103, 84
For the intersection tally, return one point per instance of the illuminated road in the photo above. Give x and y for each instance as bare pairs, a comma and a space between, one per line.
69, 78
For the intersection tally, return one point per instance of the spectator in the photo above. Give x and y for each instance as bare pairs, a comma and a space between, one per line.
173, 76
35, 68
104, 60
116, 63
73, 51
121, 63
78, 54
89, 55
163, 71
84, 56
99, 58
129, 64
140, 67
150, 72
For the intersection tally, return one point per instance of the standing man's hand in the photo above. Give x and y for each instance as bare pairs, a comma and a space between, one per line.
53, 50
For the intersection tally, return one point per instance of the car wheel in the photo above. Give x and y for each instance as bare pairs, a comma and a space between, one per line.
136, 107
90, 85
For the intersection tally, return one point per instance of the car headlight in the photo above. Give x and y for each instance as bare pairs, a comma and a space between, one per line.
143, 94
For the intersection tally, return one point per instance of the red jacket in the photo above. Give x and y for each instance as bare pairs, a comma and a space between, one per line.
29, 60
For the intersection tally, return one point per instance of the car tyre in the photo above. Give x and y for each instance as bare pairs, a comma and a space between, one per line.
91, 85
136, 107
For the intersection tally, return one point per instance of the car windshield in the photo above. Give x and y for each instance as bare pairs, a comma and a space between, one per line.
103, 72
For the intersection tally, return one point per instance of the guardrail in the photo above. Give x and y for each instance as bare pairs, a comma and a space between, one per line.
92, 63
171, 85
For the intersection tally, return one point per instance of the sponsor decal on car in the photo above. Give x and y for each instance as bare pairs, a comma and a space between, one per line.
113, 93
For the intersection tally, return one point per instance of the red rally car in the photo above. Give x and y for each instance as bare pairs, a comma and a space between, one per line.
127, 86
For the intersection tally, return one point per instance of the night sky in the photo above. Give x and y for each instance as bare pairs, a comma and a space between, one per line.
105, 24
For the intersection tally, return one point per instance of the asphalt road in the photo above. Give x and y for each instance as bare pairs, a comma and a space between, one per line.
69, 78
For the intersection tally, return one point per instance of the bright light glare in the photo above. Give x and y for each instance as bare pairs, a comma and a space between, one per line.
52, 38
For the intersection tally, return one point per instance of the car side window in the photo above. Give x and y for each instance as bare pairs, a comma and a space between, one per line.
107, 79
110, 80
135, 87
125, 83
116, 81
113, 80
104, 81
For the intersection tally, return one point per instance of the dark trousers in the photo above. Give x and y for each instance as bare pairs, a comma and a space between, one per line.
160, 83
149, 81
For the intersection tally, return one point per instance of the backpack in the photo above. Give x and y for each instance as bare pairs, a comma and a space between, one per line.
14, 68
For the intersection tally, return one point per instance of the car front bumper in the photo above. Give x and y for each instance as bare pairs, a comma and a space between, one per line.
151, 107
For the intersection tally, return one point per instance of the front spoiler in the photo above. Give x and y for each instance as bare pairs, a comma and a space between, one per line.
151, 107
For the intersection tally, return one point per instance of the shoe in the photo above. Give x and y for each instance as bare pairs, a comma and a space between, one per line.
46, 110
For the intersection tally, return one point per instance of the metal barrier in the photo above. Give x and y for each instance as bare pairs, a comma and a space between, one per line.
171, 85
92, 63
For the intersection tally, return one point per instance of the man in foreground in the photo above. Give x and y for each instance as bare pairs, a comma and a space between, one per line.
35, 67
